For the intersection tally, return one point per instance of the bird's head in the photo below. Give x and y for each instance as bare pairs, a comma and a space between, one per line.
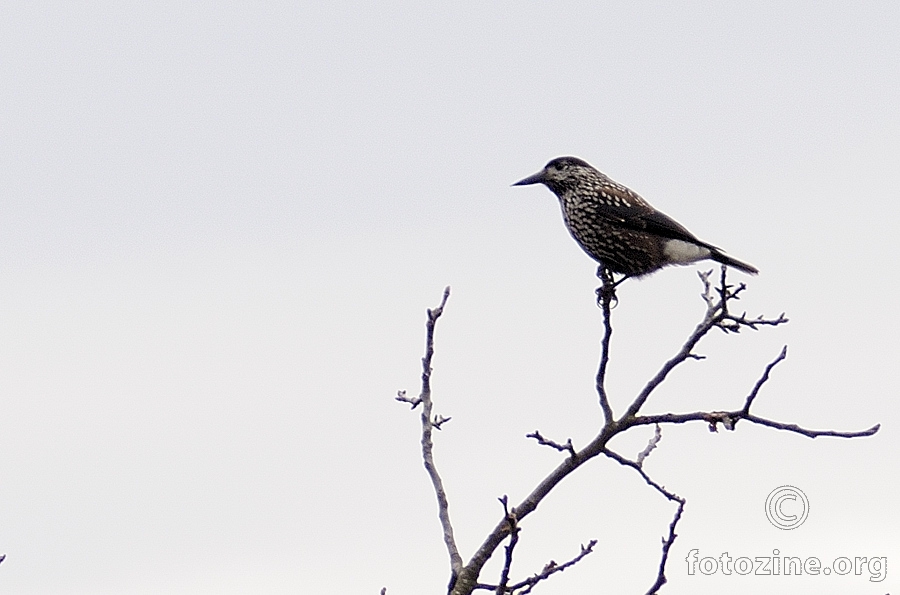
560, 174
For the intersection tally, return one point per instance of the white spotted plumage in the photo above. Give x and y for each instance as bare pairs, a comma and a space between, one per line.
618, 228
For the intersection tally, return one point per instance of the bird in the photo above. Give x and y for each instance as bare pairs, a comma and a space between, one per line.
618, 228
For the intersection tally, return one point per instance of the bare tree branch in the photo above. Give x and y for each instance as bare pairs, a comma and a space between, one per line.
456, 563
729, 419
468, 578
464, 577
717, 315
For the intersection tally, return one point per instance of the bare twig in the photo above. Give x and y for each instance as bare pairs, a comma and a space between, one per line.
438, 421
552, 568
413, 401
707, 289
811, 433
729, 419
763, 379
666, 544
567, 447
716, 315
513, 540
657, 436
668, 540
549, 570
605, 295
623, 461
456, 563
467, 579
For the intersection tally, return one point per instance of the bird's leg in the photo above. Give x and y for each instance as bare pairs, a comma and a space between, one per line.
607, 291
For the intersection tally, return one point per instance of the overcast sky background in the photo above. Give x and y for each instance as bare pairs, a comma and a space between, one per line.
222, 224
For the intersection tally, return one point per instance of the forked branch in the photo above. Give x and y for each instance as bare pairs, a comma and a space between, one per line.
718, 299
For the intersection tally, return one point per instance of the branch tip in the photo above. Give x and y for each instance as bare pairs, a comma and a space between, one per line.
412, 401
567, 447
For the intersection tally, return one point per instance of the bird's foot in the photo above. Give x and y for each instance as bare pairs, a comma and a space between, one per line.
606, 293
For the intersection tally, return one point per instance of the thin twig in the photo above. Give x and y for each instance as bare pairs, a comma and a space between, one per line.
438, 421
811, 433
666, 544
456, 563
549, 570
668, 540
717, 315
729, 419
413, 401
552, 568
763, 379
567, 447
513, 540
657, 436
623, 461
605, 295
468, 578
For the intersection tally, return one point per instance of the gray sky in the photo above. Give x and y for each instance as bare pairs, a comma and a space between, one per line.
222, 224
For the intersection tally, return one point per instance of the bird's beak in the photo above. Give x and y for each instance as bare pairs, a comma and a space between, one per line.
537, 178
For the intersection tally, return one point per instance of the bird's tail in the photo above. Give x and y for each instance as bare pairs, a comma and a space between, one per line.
733, 262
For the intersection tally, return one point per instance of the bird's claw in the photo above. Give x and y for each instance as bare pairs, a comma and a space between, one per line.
606, 293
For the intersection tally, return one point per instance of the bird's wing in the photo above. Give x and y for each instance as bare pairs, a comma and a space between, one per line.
627, 208
663, 225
